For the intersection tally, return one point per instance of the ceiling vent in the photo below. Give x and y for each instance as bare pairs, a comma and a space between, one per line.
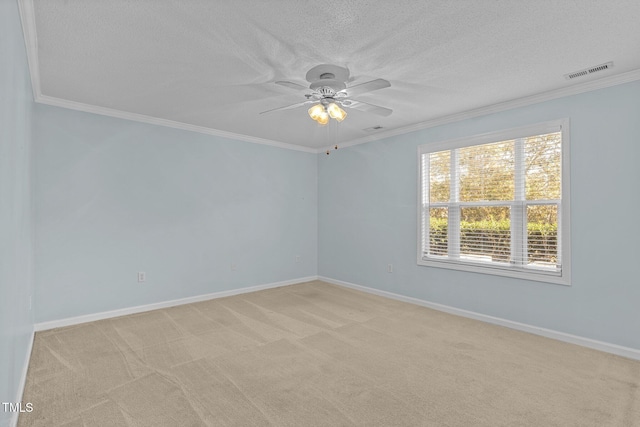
373, 128
588, 71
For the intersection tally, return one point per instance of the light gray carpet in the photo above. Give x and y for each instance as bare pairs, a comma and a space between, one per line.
315, 354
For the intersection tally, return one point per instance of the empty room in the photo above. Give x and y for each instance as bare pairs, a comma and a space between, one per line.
286, 213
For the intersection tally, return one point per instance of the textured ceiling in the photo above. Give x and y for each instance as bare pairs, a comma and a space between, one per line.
213, 64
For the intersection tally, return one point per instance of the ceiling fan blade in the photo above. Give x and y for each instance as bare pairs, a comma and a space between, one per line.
366, 87
291, 85
366, 107
288, 107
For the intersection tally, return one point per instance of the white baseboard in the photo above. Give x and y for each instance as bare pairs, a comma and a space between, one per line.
628, 352
619, 350
13, 420
43, 326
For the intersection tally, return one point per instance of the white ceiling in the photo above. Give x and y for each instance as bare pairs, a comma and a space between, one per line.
211, 65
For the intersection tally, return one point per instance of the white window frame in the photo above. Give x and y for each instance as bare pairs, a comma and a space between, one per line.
564, 205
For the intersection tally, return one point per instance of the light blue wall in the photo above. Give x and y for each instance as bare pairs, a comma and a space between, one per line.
367, 219
114, 197
16, 102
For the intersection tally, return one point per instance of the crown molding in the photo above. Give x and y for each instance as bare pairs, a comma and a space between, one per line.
27, 17
87, 108
575, 89
28, 21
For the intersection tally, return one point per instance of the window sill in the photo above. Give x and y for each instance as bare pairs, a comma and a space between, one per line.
541, 276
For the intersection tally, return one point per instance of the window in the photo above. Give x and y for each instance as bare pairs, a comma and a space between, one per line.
498, 203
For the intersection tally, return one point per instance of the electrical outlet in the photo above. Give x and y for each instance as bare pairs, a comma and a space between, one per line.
142, 276
234, 266
297, 259
389, 268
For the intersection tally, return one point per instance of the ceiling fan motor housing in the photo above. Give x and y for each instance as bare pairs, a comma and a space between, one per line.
328, 79
327, 87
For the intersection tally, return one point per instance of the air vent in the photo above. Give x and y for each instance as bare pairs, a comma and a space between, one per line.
588, 71
373, 128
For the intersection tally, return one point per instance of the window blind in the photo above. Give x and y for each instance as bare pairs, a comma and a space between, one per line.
494, 204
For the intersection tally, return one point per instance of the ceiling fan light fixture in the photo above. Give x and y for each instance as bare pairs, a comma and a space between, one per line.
336, 112
323, 118
316, 111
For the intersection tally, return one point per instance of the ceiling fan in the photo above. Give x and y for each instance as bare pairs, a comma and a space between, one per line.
329, 92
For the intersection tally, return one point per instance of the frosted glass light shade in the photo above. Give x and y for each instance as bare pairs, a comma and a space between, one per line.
336, 112
323, 118
316, 111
